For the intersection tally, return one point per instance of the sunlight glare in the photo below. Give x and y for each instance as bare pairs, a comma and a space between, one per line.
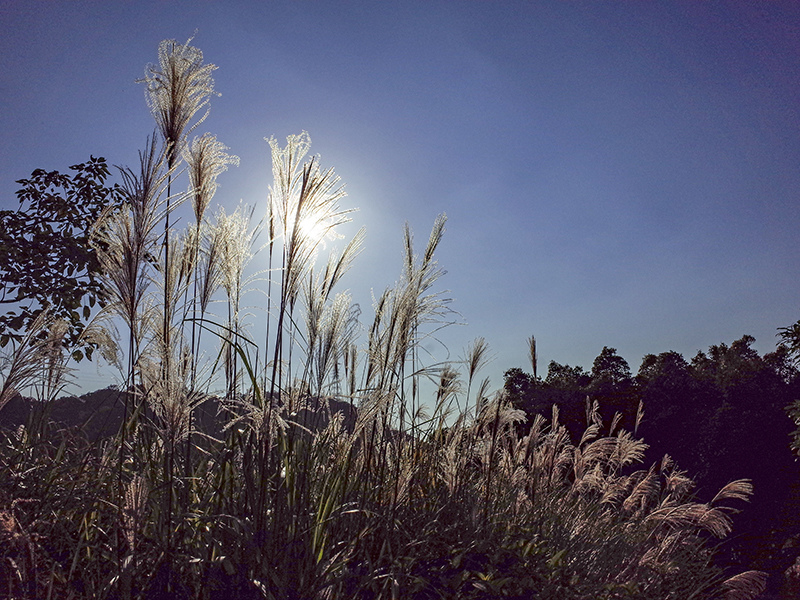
313, 229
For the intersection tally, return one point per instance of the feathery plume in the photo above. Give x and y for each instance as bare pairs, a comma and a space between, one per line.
532, 355
176, 90
744, 586
740, 489
24, 366
206, 159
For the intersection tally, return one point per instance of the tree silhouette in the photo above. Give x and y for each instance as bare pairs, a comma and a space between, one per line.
790, 338
565, 386
613, 387
678, 407
785, 361
45, 256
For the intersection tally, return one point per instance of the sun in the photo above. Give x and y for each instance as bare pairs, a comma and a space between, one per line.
313, 229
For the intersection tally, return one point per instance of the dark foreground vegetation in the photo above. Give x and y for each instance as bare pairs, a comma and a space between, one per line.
474, 510
319, 468
722, 416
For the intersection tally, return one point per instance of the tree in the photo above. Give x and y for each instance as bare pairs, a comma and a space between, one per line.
565, 377
564, 386
45, 256
610, 368
790, 338
520, 388
678, 406
614, 388
745, 434
786, 359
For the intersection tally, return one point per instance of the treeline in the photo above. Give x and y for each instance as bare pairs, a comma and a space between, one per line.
721, 416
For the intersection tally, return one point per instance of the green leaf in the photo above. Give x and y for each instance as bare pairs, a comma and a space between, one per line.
557, 559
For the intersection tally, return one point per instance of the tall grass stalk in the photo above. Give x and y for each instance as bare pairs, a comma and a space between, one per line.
176, 90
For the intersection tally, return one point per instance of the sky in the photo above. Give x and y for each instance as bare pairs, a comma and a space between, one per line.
614, 173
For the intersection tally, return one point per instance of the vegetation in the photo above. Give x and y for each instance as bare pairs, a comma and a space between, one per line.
721, 416
790, 344
46, 260
458, 495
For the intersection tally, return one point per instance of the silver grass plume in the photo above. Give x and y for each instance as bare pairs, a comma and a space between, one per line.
210, 268
236, 240
677, 485
235, 247
304, 209
23, 367
476, 357
639, 417
169, 394
136, 493
744, 586
176, 90
54, 366
101, 333
741, 489
628, 450
206, 160
482, 395
305, 203
402, 310
449, 385
533, 356
330, 328
643, 495
125, 240
177, 268
337, 332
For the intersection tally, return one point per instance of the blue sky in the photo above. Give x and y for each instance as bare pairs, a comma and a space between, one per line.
614, 173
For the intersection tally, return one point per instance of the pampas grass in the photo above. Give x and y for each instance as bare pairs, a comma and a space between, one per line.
332, 474
36, 361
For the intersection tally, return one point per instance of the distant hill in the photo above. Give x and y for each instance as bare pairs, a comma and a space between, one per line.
99, 414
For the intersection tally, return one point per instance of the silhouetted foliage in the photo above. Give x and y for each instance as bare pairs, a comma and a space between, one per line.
610, 370
787, 360
790, 338
45, 255
610, 383
721, 417
566, 377
613, 387
519, 385
676, 404
747, 432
